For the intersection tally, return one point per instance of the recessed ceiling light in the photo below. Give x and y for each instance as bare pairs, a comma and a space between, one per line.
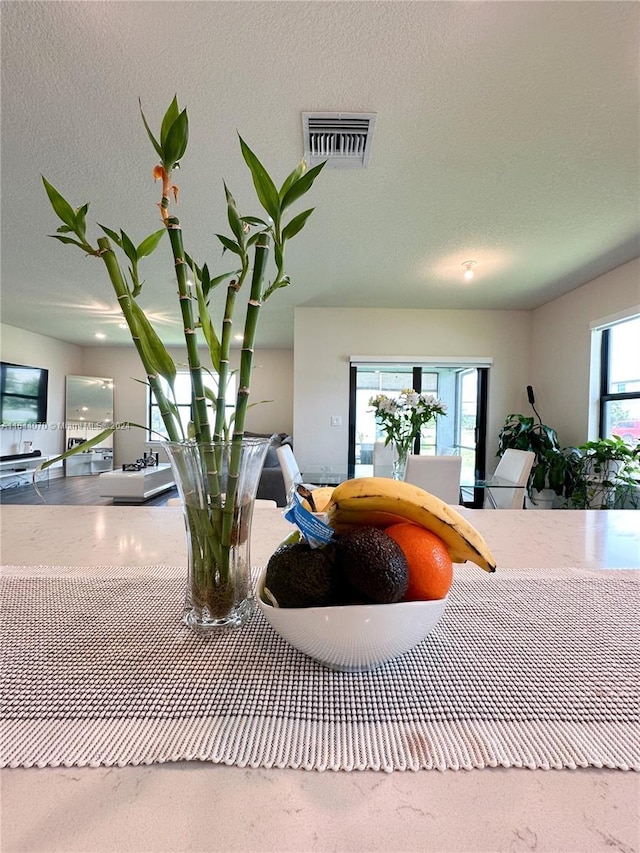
100, 335
238, 337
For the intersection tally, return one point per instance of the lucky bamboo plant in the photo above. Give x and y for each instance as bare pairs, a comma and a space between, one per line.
249, 243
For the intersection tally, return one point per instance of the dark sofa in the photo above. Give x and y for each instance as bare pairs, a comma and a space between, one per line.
271, 485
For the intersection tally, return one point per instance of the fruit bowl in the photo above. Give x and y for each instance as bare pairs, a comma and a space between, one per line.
353, 637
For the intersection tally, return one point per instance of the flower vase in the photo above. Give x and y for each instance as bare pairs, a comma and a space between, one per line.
217, 482
400, 453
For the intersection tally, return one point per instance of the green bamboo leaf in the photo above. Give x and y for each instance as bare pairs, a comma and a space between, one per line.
207, 328
301, 186
265, 188
150, 243
296, 224
234, 218
169, 118
154, 141
291, 179
60, 205
128, 248
205, 280
64, 229
176, 142
220, 278
81, 220
153, 348
229, 244
70, 241
112, 234
193, 266
210, 394
254, 220
80, 448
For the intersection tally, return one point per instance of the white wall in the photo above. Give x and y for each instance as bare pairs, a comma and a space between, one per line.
324, 338
60, 359
548, 348
561, 345
272, 380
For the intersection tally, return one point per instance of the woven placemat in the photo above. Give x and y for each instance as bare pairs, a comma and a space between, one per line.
523, 670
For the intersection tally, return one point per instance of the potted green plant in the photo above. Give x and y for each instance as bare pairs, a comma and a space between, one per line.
554, 469
609, 475
216, 472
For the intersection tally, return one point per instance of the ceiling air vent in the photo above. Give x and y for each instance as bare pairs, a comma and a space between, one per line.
342, 139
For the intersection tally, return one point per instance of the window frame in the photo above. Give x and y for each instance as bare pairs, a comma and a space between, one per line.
605, 396
153, 406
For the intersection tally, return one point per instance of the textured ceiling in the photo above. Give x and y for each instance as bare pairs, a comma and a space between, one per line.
507, 133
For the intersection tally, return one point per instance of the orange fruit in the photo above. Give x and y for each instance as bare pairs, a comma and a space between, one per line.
430, 566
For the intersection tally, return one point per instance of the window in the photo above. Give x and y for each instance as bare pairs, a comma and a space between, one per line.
463, 388
620, 381
23, 394
183, 401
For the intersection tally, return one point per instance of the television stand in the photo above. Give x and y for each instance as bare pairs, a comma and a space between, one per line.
18, 470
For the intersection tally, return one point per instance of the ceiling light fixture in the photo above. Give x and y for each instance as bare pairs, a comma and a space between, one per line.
100, 335
468, 270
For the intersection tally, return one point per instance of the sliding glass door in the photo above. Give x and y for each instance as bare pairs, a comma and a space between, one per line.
462, 387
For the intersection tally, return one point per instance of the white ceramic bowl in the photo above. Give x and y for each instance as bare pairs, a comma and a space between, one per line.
353, 637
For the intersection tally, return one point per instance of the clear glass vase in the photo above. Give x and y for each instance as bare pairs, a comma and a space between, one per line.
217, 482
400, 453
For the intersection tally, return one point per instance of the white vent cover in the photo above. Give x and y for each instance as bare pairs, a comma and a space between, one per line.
342, 139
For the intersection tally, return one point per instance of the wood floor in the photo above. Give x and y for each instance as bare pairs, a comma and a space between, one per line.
72, 491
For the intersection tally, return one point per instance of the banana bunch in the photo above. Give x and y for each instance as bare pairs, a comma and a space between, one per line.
381, 502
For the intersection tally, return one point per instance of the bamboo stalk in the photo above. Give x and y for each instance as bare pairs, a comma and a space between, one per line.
246, 363
200, 414
225, 346
124, 300
251, 321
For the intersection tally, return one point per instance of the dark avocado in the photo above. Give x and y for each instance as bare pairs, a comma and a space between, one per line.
300, 576
373, 564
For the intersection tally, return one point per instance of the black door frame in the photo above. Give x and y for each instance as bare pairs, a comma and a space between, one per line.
481, 424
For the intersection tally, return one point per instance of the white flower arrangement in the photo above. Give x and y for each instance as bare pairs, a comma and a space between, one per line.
402, 417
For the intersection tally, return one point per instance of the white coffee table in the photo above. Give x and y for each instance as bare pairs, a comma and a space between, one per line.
135, 486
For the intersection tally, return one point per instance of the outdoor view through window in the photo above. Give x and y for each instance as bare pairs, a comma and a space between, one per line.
621, 381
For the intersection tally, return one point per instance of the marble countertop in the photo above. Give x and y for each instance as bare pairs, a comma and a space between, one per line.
123, 535
202, 807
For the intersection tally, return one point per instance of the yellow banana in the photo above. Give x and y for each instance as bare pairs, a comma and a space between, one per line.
381, 501
321, 497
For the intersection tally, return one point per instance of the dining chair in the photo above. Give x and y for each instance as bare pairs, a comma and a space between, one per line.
439, 475
290, 470
514, 467
382, 459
